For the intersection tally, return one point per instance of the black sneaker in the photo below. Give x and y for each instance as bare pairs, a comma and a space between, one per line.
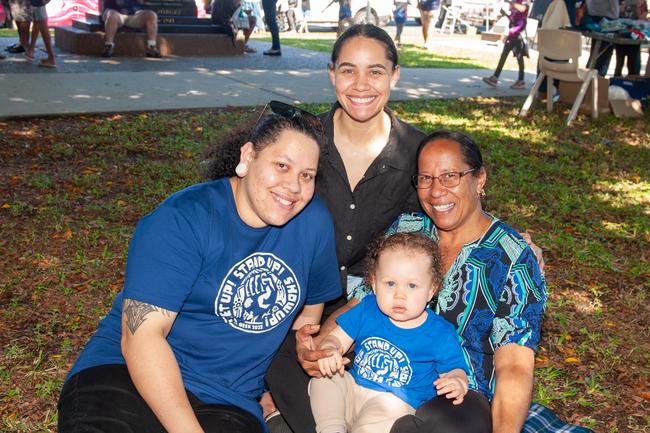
272, 52
108, 51
153, 52
16, 49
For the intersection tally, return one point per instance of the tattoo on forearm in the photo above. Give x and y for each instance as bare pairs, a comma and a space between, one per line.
136, 313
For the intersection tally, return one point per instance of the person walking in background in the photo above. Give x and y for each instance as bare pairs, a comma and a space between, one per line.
292, 16
429, 11
400, 14
345, 16
269, 15
39, 16
304, 23
634, 10
515, 42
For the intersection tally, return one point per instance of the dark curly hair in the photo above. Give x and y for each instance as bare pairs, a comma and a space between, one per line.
223, 156
407, 242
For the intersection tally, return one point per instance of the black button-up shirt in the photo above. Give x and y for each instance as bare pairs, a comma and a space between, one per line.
383, 193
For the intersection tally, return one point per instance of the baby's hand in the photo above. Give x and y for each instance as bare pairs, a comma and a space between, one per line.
331, 365
453, 385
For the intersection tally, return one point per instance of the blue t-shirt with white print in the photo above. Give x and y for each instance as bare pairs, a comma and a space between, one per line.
405, 362
235, 289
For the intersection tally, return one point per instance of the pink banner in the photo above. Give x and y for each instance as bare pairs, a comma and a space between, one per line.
62, 12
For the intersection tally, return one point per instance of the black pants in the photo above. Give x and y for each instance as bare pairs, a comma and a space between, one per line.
269, 17
440, 415
633, 55
104, 400
288, 384
507, 48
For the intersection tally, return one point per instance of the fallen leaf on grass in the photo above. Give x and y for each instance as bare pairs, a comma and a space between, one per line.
63, 235
566, 350
541, 361
572, 360
72, 188
89, 170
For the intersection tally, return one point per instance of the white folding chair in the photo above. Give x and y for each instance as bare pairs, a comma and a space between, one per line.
559, 51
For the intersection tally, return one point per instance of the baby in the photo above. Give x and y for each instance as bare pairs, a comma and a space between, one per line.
405, 353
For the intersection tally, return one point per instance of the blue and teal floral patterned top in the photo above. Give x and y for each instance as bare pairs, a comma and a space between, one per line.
494, 294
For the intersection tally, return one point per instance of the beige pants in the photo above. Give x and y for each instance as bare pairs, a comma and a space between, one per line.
135, 21
340, 405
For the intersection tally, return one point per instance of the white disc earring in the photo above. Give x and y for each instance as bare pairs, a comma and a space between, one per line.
241, 169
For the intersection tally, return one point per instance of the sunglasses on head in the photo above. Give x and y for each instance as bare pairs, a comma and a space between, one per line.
292, 113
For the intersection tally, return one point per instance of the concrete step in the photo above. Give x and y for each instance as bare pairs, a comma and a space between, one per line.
79, 41
166, 24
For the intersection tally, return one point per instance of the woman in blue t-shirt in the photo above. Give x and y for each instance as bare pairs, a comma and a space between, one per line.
215, 278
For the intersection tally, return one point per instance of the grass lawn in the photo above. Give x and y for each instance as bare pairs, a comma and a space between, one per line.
11, 33
410, 56
72, 190
8, 33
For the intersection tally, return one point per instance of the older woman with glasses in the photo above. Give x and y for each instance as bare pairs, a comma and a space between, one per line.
215, 278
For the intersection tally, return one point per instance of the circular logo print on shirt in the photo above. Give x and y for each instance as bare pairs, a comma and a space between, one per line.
382, 362
257, 294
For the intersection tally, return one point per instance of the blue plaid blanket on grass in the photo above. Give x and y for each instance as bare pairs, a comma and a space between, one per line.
542, 420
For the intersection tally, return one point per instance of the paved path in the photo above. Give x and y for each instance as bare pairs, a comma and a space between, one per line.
91, 85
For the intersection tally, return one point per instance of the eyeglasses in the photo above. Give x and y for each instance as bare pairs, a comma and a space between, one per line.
448, 180
292, 113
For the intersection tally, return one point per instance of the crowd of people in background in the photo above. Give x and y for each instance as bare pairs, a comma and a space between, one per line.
292, 16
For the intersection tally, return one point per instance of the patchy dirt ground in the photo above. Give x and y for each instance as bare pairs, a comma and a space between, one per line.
72, 189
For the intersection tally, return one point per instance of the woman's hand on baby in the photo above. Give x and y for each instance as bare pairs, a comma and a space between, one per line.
306, 352
331, 365
453, 385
